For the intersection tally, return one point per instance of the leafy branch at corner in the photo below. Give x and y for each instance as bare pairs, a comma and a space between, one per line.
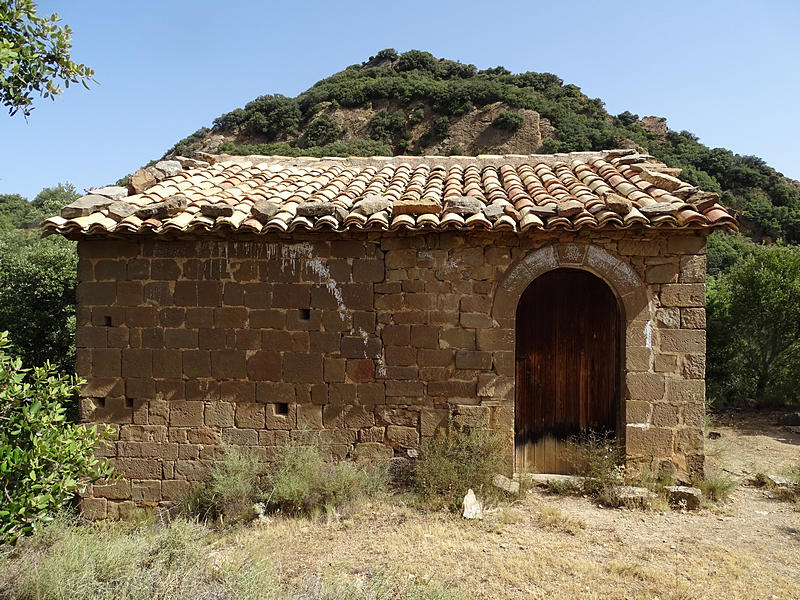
44, 459
34, 56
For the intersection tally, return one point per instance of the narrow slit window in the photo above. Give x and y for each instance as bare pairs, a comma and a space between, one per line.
107, 320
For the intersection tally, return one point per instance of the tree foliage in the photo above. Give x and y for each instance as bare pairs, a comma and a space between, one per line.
37, 282
322, 130
509, 120
384, 126
268, 115
34, 56
44, 459
754, 328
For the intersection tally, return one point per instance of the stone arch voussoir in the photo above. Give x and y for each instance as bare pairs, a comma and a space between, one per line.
619, 275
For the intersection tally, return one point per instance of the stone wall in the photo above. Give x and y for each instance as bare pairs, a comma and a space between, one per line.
366, 344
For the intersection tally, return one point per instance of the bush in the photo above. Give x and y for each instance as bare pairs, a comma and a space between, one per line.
44, 460
180, 561
300, 481
754, 341
716, 487
599, 459
38, 279
417, 60
304, 482
441, 127
387, 54
417, 116
322, 130
509, 120
383, 126
230, 493
454, 461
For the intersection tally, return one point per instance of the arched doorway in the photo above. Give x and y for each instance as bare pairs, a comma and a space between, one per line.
567, 366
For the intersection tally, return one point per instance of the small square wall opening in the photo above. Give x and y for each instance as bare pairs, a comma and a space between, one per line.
305, 314
128, 402
282, 408
107, 321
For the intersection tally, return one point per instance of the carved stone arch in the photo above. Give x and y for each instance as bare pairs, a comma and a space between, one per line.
619, 275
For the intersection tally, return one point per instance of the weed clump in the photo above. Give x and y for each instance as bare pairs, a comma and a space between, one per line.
455, 460
231, 491
300, 481
599, 459
304, 482
554, 519
716, 487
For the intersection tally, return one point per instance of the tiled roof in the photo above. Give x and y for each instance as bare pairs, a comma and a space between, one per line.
605, 190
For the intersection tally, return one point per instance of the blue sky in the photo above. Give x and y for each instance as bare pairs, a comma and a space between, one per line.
727, 71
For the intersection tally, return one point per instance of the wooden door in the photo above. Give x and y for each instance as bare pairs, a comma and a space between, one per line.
567, 366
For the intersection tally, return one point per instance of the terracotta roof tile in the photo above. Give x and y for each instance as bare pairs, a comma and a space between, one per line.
612, 189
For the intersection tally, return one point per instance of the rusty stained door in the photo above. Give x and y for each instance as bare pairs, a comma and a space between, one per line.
567, 366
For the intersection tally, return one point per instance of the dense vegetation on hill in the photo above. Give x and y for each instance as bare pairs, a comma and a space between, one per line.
411, 100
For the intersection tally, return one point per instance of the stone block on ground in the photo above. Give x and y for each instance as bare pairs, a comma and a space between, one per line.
684, 495
504, 483
629, 495
791, 419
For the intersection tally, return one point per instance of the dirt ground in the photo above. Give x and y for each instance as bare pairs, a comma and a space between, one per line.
546, 546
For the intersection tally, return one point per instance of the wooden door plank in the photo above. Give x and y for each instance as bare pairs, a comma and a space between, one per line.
567, 364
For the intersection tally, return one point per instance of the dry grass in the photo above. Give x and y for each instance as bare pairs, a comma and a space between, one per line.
540, 546
552, 517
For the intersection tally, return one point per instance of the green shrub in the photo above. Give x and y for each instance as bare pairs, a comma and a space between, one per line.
754, 343
268, 115
417, 60
441, 127
417, 116
231, 491
304, 482
509, 120
454, 461
300, 481
383, 126
44, 459
387, 54
38, 279
322, 130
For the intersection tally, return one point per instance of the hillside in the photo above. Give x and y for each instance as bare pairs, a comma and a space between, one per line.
415, 103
